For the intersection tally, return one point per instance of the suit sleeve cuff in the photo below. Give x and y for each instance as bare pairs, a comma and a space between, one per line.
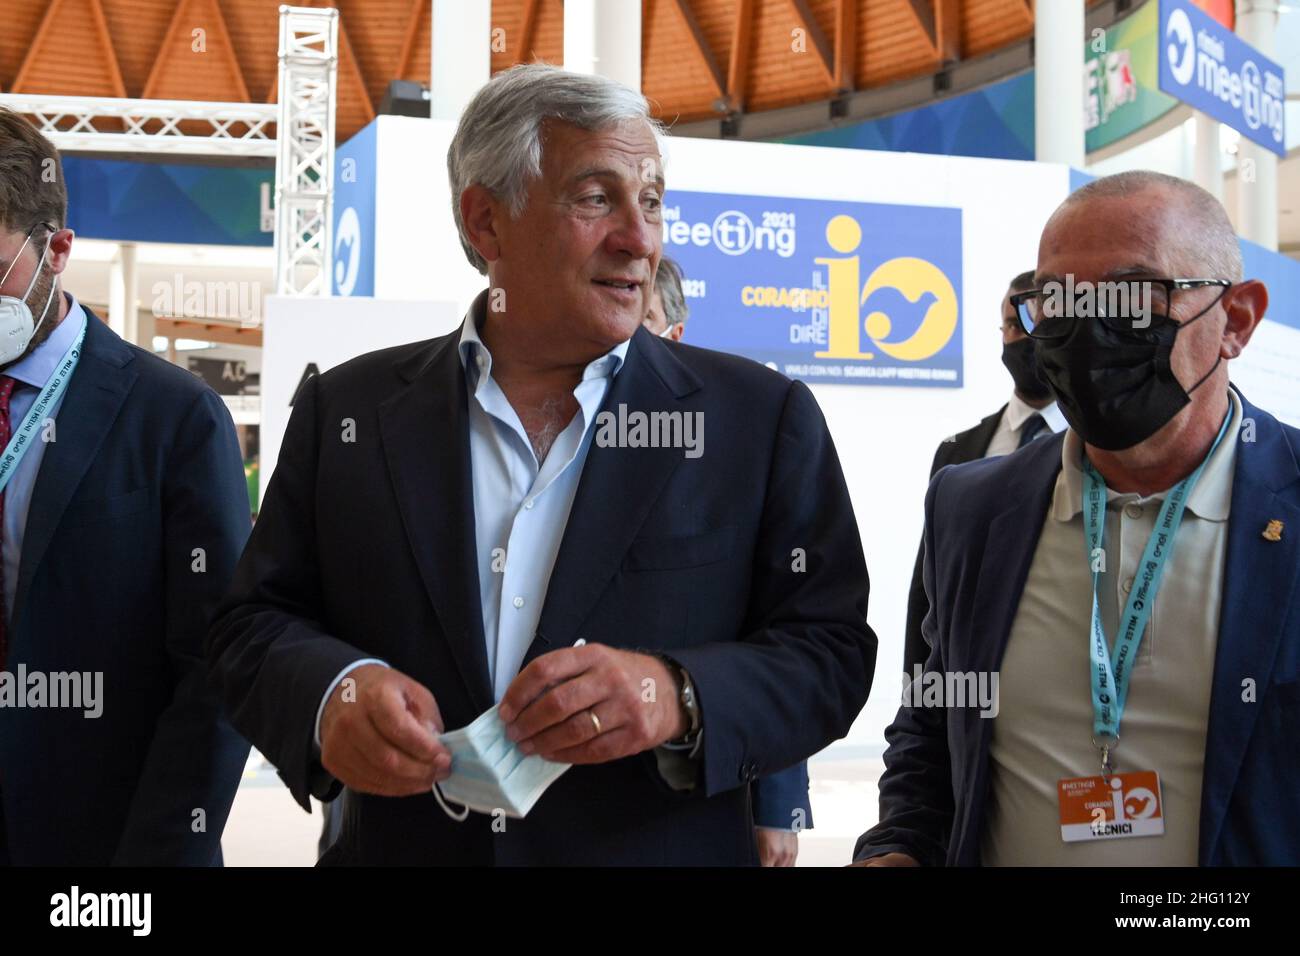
329, 690
677, 764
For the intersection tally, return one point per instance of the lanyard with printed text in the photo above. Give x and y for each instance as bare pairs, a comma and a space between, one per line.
1110, 671
22, 438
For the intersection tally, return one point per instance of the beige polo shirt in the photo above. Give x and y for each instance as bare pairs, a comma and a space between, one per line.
1043, 730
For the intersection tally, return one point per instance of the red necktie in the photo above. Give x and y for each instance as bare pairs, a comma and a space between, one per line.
6, 389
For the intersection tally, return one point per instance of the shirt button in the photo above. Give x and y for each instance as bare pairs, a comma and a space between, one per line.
528, 503
1128, 585
481, 361
519, 602
1133, 511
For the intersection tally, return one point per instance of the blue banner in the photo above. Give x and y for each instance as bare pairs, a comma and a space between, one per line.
824, 291
1207, 66
130, 201
354, 215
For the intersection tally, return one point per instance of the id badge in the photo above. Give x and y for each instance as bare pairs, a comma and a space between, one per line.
1111, 807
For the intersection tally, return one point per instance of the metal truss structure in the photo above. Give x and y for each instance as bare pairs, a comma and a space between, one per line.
304, 168
187, 127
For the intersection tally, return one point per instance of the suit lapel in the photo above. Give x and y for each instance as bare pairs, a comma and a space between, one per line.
970, 445
94, 396
982, 435
1006, 556
1259, 588
617, 489
435, 494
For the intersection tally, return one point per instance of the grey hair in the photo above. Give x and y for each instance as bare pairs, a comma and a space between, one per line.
668, 283
498, 142
1211, 239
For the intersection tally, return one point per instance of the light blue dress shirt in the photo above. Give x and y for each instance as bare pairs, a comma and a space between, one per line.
30, 375
521, 506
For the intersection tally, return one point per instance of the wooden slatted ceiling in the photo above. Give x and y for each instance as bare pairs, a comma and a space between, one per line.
784, 64
992, 24
377, 30
548, 41
417, 62
71, 51
891, 44
197, 58
143, 47
21, 21
148, 21
255, 30
675, 74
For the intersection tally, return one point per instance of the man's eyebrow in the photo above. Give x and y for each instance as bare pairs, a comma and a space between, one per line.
1131, 269
606, 172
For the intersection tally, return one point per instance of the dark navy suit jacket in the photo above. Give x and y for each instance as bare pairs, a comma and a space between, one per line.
366, 549
144, 469
982, 523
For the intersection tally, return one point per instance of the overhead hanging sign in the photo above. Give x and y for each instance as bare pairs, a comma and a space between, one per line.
1209, 67
1120, 93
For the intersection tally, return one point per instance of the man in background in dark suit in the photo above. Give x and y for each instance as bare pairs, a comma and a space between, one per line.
781, 807
1031, 413
479, 522
124, 510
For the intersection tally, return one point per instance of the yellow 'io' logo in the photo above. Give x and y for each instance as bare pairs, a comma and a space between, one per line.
921, 285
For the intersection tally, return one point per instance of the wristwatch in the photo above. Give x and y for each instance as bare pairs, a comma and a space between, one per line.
690, 706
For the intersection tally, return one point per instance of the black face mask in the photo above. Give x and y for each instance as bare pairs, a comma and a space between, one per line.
1116, 389
1021, 360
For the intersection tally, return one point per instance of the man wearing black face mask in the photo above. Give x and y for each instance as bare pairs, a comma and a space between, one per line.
1030, 413
1131, 584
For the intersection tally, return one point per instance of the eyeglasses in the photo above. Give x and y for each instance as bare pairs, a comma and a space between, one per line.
1125, 306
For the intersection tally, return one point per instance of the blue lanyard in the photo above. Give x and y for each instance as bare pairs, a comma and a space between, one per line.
1110, 671
22, 438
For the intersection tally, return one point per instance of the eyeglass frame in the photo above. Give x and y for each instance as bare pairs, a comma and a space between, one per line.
1170, 285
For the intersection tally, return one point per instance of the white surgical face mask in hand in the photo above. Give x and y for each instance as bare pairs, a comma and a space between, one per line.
489, 773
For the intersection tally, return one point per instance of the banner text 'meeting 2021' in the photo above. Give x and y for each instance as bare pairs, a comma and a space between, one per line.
823, 291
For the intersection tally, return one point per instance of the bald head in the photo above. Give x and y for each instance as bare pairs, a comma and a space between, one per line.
1130, 228
1186, 225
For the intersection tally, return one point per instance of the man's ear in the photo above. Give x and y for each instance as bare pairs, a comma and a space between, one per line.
482, 214
60, 251
1244, 305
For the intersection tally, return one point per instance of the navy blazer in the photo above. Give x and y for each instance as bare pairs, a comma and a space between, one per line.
144, 470
982, 525
366, 549
970, 445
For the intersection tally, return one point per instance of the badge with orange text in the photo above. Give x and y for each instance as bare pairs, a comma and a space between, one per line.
1111, 807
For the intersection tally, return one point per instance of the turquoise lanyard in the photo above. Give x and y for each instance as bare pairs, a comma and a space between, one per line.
1110, 672
23, 438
